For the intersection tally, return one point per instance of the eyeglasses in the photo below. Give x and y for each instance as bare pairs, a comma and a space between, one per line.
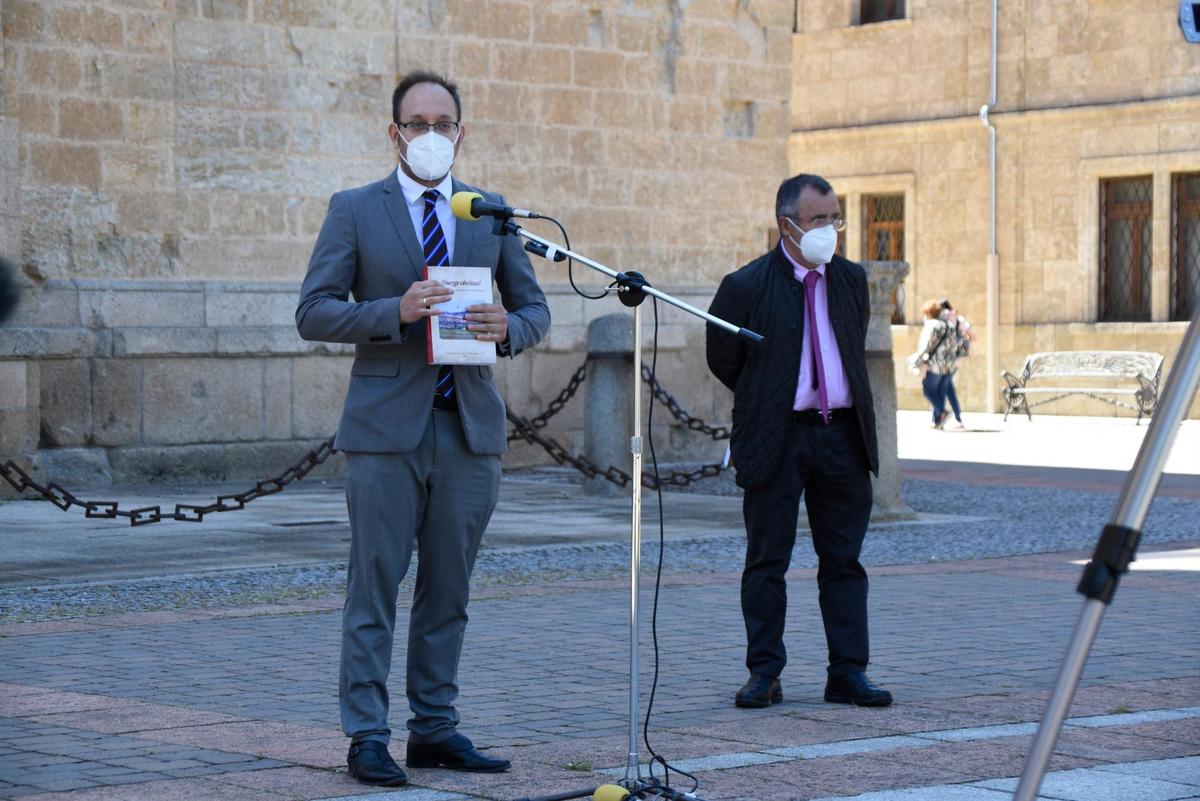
821, 220
448, 129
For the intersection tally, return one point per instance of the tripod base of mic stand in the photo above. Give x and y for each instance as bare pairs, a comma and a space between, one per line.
639, 788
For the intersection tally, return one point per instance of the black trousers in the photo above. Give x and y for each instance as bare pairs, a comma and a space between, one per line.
827, 466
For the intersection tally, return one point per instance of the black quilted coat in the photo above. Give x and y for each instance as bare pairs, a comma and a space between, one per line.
765, 297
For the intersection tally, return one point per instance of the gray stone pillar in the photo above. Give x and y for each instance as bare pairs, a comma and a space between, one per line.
19, 416
882, 279
19, 392
608, 398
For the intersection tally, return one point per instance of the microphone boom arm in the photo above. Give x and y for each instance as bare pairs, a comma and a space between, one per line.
627, 281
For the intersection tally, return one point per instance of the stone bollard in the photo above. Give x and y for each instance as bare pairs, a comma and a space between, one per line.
882, 279
608, 399
20, 417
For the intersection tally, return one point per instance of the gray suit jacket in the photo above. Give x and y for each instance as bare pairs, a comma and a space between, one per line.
368, 248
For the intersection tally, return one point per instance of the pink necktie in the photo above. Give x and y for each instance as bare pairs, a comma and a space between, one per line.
810, 297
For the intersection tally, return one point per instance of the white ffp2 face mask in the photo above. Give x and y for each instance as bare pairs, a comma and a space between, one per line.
430, 155
816, 245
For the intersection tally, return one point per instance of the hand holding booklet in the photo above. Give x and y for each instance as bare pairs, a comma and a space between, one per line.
448, 339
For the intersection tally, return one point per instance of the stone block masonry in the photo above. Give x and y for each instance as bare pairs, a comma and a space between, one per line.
1077, 103
102, 379
129, 381
230, 115
159, 157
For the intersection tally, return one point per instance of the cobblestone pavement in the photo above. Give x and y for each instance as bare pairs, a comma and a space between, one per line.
240, 703
991, 518
220, 685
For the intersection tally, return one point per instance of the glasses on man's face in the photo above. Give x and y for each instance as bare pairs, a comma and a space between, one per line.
447, 129
820, 221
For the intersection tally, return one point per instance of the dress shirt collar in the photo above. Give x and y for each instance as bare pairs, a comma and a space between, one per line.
413, 190
798, 269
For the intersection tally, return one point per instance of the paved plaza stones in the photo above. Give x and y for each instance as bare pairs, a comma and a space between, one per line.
235, 701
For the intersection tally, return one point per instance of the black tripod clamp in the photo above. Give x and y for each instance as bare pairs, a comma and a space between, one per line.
505, 225
502, 226
1115, 550
630, 288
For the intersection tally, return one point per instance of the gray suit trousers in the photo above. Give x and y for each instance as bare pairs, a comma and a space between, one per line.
439, 497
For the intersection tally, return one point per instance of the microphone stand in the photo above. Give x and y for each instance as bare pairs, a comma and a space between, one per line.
632, 289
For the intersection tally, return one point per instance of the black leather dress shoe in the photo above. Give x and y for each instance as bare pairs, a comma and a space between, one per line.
761, 690
370, 763
456, 753
855, 688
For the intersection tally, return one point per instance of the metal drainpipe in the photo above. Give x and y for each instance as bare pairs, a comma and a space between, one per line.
993, 258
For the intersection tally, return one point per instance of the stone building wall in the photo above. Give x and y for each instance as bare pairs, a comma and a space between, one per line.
1086, 90
167, 164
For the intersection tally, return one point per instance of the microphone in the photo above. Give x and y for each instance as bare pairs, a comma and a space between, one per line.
472, 206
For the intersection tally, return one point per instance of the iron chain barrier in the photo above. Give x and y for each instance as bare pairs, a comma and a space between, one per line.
184, 512
554, 407
524, 428
527, 430
668, 400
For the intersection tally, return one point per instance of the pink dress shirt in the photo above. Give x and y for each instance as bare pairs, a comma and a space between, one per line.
837, 384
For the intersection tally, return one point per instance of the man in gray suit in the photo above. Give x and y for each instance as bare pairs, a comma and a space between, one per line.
422, 443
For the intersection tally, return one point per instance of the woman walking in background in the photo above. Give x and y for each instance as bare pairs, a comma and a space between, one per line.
934, 360
963, 335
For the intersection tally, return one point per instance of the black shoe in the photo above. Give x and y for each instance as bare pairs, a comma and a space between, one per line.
761, 690
855, 688
456, 753
370, 763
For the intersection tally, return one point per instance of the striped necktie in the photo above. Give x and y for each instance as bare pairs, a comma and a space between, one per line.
437, 254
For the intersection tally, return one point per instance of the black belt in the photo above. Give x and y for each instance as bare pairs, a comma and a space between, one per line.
444, 403
812, 417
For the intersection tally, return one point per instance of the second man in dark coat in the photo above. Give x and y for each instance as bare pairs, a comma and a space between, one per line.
803, 425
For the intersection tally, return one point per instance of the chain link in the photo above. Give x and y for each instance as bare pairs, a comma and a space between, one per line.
524, 428
556, 405
19, 480
677, 411
680, 478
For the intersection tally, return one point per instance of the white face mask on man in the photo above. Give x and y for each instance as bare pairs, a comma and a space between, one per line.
430, 155
817, 244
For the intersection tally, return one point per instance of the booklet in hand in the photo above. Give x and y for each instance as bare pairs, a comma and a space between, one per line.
447, 340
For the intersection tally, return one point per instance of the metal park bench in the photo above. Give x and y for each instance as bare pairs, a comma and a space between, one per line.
1048, 373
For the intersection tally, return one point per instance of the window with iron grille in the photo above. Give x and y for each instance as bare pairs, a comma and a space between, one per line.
1185, 245
879, 11
883, 238
1125, 211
